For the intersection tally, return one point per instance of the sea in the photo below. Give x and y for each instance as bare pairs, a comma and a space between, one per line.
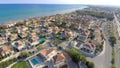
15, 12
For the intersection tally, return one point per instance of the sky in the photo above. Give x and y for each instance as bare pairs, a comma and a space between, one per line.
90, 2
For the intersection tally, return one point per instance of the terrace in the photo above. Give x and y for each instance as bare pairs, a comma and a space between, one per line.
18, 45
4, 50
13, 37
23, 34
34, 41
3, 40
59, 60
88, 48
97, 37
48, 53
7, 32
9, 24
38, 61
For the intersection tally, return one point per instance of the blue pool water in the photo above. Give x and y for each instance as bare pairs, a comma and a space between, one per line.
40, 40
34, 61
60, 34
14, 45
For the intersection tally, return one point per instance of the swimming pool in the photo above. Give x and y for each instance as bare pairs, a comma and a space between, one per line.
40, 40
34, 61
14, 45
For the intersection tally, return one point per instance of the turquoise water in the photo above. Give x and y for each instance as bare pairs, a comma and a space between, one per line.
40, 40
14, 45
14, 12
34, 61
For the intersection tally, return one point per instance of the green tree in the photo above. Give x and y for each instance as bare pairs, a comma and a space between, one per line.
24, 54
108, 16
76, 56
90, 64
91, 36
112, 40
113, 66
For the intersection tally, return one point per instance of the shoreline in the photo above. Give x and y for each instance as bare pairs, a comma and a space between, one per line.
31, 17
23, 17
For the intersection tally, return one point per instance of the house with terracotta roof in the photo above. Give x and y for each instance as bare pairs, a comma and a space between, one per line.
73, 43
55, 29
59, 60
3, 40
78, 26
62, 29
24, 28
97, 37
33, 33
68, 32
13, 37
82, 36
4, 50
36, 31
36, 25
23, 34
49, 30
9, 24
88, 48
34, 20
48, 53
18, 44
28, 21
7, 32
33, 41
45, 24
84, 33
18, 29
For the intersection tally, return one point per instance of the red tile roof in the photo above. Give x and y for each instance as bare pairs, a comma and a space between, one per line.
45, 52
4, 49
19, 43
59, 57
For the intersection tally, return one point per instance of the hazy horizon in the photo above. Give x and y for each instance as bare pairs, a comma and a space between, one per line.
82, 2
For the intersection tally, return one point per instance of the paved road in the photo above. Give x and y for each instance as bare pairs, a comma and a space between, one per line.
117, 46
103, 60
70, 63
11, 56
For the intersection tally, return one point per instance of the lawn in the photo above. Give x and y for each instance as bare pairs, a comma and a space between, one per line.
21, 64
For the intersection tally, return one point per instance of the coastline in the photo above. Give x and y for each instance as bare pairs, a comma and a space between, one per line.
48, 12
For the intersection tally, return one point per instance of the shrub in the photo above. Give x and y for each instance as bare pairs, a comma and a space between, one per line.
76, 56
24, 54
113, 66
90, 64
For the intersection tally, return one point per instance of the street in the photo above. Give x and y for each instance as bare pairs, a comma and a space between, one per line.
117, 46
103, 60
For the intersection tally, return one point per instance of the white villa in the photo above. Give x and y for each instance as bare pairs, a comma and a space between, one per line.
4, 50
3, 40
18, 44
13, 37
33, 41
48, 53
59, 60
87, 48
